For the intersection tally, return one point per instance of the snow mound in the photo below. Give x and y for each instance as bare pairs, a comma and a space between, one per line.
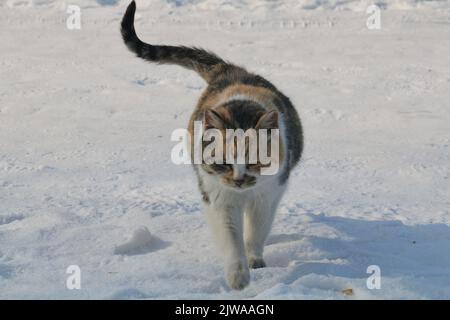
141, 242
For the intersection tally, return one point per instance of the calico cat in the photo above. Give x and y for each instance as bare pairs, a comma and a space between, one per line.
239, 202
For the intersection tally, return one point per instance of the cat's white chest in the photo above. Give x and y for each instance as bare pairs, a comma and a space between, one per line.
219, 194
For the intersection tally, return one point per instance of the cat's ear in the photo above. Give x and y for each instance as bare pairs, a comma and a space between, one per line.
269, 120
212, 119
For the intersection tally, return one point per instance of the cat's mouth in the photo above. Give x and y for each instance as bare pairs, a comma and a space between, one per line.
240, 185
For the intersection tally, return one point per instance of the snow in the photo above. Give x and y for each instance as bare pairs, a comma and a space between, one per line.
85, 150
141, 242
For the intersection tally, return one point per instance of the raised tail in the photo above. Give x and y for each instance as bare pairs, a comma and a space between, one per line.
205, 63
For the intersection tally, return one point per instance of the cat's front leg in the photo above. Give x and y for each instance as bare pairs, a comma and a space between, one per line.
258, 221
226, 221
259, 215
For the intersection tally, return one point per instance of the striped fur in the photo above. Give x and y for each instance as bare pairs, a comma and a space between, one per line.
205, 63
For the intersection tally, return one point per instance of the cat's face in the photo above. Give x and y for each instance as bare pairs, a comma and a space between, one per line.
244, 173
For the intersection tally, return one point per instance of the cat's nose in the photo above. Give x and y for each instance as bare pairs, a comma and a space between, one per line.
239, 182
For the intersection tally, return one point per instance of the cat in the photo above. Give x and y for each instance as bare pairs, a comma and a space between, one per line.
238, 201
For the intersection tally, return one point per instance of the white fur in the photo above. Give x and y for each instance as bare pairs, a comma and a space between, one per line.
241, 222
238, 171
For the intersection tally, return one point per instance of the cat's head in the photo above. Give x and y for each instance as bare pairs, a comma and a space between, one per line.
247, 169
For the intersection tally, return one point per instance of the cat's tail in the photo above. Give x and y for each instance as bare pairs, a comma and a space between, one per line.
205, 63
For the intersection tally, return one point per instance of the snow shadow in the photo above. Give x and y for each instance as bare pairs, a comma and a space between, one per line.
158, 244
6, 271
129, 294
108, 2
419, 251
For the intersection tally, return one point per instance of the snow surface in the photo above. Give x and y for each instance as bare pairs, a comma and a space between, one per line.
85, 150
142, 241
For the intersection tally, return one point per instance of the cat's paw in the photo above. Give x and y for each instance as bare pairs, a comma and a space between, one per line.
256, 263
238, 275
